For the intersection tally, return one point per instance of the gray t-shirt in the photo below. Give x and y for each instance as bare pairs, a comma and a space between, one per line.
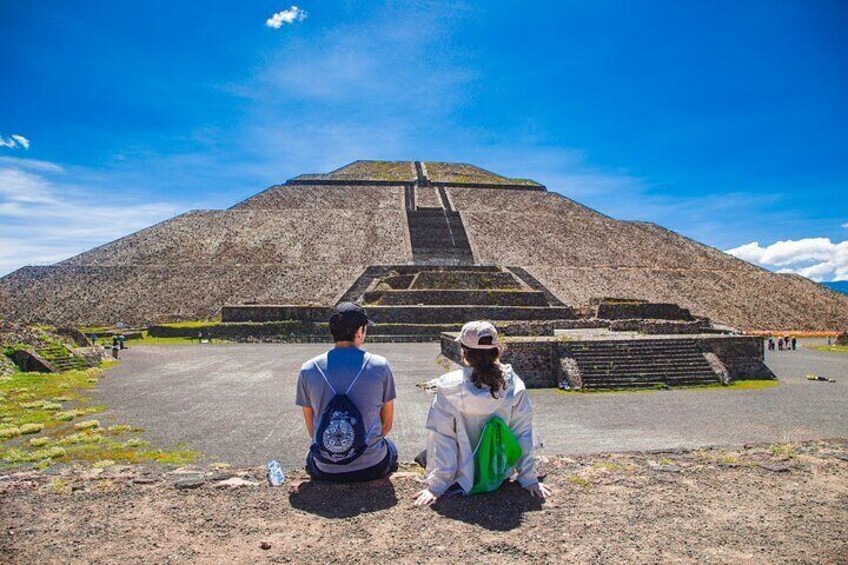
374, 387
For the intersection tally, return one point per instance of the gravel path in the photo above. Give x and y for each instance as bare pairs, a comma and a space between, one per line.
235, 403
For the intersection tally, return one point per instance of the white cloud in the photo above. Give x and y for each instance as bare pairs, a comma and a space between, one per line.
286, 17
14, 141
817, 258
845, 225
45, 217
22, 141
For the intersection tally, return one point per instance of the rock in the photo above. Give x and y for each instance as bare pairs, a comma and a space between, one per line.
190, 481
841, 456
236, 482
774, 468
221, 475
144, 480
406, 475
669, 468
265, 545
187, 470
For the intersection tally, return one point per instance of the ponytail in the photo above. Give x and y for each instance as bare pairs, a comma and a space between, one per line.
485, 369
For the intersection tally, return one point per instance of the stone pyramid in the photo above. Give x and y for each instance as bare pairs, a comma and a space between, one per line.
309, 241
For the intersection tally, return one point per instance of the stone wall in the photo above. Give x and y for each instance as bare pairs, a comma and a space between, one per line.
537, 363
242, 331
274, 313
623, 310
457, 280
349, 197
743, 356
396, 314
842, 339
672, 327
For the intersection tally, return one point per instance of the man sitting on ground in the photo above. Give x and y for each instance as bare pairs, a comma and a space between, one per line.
347, 396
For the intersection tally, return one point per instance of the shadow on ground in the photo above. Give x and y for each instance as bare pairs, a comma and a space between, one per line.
501, 511
333, 500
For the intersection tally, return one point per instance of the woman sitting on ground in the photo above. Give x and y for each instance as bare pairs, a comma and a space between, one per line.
466, 401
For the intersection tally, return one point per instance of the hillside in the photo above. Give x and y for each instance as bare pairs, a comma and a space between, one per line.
307, 241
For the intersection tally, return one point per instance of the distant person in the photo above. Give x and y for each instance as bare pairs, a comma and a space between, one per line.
484, 393
93, 339
114, 341
780, 344
347, 396
199, 337
121, 339
794, 344
829, 342
771, 344
114, 350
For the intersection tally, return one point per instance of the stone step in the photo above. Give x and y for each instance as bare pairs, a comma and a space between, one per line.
626, 375
641, 363
635, 344
637, 375
646, 355
465, 280
438, 237
464, 313
628, 379
644, 384
624, 351
651, 355
643, 367
455, 297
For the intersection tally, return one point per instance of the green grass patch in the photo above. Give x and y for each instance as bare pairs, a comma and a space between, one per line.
756, 384
579, 481
149, 340
783, 450
610, 467
200, 324
832, 348
46, 405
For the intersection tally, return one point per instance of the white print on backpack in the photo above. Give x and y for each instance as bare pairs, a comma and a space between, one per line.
338, 437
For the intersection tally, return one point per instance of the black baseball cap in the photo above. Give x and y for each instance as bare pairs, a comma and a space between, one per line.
351, 315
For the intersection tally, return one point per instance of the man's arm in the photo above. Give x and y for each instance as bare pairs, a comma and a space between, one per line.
308, 415
387, 415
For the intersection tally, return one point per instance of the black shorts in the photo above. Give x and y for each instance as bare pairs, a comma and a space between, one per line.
378, 471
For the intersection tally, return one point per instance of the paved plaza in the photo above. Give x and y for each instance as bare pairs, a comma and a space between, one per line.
235, 403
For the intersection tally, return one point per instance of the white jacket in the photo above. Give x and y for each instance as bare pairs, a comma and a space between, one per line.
456, 420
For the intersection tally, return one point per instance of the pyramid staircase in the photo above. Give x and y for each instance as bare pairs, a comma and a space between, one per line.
641, 363
438, 237
435, 230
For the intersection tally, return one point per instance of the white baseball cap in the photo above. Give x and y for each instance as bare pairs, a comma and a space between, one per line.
472, 332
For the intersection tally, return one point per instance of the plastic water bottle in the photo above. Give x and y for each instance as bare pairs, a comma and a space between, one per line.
276, 473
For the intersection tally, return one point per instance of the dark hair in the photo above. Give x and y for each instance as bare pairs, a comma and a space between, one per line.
342, 331
485, 369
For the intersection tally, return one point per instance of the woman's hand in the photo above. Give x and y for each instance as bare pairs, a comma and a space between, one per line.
538, 490
425, 498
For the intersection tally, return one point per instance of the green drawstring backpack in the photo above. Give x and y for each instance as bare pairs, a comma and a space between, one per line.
495, 456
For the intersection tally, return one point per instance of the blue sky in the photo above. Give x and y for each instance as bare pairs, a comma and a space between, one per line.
725, 121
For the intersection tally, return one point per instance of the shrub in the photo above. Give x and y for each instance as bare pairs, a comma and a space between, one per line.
31, 428
87, 425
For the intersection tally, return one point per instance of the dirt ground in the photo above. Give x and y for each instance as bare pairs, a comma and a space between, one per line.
758, 504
